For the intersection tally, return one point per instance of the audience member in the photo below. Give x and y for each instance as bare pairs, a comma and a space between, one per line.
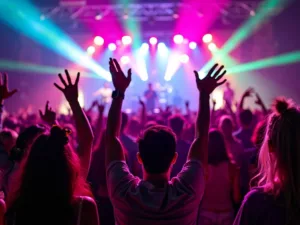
222, 187
155, 198
276, 199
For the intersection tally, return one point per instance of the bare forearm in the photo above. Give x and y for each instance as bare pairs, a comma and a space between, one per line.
143, 115
114, 118
114, 149
203, 118
85, 135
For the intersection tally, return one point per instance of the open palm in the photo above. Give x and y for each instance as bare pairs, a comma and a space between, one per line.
120, 81
209, 83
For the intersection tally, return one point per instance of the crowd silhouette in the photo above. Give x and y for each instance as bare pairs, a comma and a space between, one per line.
210, 167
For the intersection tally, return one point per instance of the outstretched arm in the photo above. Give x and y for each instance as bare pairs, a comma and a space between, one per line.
4, 93
114, 149
49, 117
143, 112
199, 148
260, 102
247, 93
83, 128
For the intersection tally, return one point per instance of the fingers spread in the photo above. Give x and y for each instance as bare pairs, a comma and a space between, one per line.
68, 77
215, 75
41, 113
58, 87
212, 70
222, 82
62, 80
47, 106
129, 73
117, 65
5, 82
77, 78
222, 75
196, 75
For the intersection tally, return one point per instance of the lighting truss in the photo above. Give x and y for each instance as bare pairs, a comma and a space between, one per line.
144, 11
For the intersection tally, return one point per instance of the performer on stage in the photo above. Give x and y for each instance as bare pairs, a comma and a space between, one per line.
228, 94
105, 93
151, 98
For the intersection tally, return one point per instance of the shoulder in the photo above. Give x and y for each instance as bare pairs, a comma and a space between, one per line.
86, 202
257, 197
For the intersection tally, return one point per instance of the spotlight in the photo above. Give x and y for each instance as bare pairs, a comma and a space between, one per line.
125, 59
98, 16
207, 38
178, 39
126, 40
112, 47
153, 40
212, 47
91, 50
193, 45
98, 40
162, 49
184, 58
175, 16
144, 48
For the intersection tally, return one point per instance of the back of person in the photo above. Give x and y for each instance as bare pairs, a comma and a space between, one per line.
139, 202
217, 194
217, 204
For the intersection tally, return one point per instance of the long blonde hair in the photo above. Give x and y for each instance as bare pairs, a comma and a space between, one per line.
279, 158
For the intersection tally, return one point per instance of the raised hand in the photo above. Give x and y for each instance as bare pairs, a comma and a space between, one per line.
120, 81
142, 103
70, 90
258, 100
4, 92
248, 92
49, 116
210, 82
187, 104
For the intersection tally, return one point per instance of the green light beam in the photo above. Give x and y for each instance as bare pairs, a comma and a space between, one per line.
265, 11
29, 67
284, 59
22, 16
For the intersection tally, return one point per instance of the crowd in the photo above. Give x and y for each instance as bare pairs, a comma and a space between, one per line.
210, 167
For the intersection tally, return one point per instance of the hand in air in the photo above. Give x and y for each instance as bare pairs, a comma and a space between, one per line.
70, 90
49, 116
187, 104
142, 103
258, 100
248, 92
100, 107
209, 83
4, 92
120, 81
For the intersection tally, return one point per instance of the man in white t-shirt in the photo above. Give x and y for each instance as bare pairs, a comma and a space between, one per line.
156, 199
104, 93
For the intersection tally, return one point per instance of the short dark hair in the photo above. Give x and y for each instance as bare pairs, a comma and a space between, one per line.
246, 117
216, 148
157, 147
176, 123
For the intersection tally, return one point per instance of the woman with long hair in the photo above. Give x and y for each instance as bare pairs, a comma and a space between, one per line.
276, 200
52, 187
222, 185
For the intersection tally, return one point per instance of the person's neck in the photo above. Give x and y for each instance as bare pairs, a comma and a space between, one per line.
158, 180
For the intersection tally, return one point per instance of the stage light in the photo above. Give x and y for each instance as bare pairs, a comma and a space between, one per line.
125, 59
42, 17
91, 50
98, 16
112, 47
162, 49
184, 58
144, 48
193, 45
178, 39
153, 40
207, 38
126, 40
212, 47
98, 40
